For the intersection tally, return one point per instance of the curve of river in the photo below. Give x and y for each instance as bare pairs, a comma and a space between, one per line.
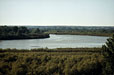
56, 41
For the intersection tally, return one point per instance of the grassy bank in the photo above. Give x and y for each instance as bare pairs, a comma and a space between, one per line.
81, 33
53, 50
60, 61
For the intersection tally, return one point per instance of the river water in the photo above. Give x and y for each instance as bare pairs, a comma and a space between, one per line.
56, 41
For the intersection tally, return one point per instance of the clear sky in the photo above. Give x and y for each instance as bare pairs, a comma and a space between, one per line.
57, 12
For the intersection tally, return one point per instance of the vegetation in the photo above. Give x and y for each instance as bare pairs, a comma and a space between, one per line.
47, 62
60, 61
77, 30
108, 52
91, 50
80, 33
14, 32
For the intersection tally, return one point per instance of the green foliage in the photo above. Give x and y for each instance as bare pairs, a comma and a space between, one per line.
36, 30
14, 32
79, 30
4, 68
19, 69
50, 63
108, 52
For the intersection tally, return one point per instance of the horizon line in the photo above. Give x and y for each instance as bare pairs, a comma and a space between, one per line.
51, 25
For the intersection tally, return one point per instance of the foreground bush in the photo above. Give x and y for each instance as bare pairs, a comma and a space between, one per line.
108, 52
51, 63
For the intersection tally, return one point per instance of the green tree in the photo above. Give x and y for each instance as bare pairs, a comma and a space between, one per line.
15, 29
22, 30
108, 52
36, 30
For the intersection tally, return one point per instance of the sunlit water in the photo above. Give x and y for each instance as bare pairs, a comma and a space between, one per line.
56, 41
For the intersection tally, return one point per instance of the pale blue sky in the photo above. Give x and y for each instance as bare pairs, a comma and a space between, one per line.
57, 12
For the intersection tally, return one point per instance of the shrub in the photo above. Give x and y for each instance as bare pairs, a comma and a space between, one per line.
108, 52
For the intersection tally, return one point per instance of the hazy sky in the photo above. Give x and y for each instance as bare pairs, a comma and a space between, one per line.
57, 12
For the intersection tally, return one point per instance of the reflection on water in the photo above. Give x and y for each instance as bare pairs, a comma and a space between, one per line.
56, 41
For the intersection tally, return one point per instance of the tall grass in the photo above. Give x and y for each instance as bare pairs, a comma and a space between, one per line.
61, 61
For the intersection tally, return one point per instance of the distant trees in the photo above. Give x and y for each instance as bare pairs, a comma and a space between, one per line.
36, 30
23, 30
15, 32
15, 28
79, 30
108, 52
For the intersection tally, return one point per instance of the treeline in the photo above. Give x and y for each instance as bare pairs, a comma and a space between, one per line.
73, 30
77, 30
15, 32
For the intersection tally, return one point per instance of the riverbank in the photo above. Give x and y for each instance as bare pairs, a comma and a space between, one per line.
81, 33
28, 36
53, 50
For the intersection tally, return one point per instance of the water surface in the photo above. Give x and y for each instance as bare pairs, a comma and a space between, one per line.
56, 41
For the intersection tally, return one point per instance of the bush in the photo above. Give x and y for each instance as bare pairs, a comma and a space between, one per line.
108, 52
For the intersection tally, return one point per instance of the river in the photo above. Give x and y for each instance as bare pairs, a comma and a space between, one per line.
56, 41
